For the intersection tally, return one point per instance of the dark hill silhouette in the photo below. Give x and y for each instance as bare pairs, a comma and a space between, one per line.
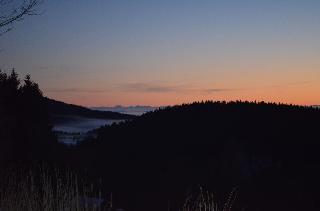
216, 144
59, 111
269, 151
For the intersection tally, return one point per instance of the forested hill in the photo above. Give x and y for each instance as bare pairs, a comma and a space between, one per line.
198, 128
207, 123
63, 109
215, 144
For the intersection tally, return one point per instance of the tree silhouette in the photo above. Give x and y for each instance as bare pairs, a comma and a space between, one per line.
25, 132
13, 10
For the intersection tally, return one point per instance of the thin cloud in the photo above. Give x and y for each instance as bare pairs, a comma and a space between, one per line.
152, 88
145, 88
167, 88
212, 90
289, 84
76, 90
61, 68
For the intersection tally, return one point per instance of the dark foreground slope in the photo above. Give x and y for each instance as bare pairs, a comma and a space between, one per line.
269, 151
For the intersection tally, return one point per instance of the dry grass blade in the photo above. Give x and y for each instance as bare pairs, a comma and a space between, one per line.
205, 201
41, 188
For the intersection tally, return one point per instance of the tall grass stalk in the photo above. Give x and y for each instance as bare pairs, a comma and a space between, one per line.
205, 201
41, 188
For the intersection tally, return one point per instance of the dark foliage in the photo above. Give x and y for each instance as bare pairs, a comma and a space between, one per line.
25, 133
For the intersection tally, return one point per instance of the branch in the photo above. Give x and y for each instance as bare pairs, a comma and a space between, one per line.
25, 9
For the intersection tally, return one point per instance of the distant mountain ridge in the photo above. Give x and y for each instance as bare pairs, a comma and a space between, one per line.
133, 110
58, 108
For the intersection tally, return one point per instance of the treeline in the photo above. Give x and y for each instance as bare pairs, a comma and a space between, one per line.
200, 128
25, 132
215, 144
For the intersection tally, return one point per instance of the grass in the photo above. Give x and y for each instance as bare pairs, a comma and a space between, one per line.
52, 189
42, 188
205, 201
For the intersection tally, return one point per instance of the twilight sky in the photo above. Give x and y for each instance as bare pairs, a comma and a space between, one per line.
164, 52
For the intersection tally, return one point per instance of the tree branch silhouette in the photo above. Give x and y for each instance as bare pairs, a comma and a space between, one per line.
12, 11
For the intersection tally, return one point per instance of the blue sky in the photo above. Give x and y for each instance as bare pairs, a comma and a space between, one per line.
108, 52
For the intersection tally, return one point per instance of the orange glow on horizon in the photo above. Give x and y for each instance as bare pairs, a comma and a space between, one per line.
290, 85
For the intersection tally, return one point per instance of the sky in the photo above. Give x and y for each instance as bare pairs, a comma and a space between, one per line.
166, 52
